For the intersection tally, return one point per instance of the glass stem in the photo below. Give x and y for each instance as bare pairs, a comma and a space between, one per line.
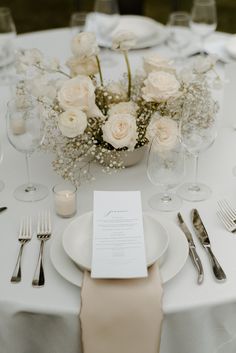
30, 186
195, 186
166, 196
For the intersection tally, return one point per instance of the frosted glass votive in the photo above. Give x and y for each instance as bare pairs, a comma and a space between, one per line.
65, 199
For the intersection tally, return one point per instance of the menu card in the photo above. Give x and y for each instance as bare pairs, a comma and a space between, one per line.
118, 238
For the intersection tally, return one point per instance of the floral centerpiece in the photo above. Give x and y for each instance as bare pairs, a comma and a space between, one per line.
88, 120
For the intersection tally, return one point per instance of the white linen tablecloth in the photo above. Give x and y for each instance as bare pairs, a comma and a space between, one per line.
198, 319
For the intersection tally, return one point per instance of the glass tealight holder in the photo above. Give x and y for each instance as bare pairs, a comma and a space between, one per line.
65, 199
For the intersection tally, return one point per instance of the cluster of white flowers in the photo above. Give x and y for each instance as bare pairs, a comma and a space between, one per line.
87, 120
85, 50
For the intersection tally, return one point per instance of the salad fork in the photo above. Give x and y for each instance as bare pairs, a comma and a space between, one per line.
44, 231
227, 215
24, 237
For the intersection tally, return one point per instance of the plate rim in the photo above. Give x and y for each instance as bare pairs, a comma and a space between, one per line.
57, 241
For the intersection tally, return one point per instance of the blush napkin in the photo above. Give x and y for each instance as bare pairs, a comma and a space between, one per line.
121, 315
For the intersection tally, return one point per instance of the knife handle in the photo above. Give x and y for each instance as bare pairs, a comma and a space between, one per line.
217, 269
197, 262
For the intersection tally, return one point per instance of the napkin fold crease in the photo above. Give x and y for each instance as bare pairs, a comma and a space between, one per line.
121, 315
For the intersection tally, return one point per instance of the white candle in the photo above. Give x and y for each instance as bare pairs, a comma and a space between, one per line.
65, 203
18, 126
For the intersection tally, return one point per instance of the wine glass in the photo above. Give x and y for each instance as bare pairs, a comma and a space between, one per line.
25, 133
197, 133
203, 20
7, 42
179, 34
106, 18
165, 167
78, 22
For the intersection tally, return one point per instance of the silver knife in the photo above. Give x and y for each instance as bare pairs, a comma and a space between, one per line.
192, 249
205, 241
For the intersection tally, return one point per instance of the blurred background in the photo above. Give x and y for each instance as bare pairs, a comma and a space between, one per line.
39, 15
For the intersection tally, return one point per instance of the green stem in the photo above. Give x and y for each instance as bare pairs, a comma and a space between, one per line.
128, 72
99, 70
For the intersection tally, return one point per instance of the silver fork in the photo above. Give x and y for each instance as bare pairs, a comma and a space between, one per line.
44, 231
24, 237
227, 215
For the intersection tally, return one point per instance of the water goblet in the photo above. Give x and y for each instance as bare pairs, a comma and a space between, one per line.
165, 168
203, 20
25, 133
179, 32
197, 133
7, 40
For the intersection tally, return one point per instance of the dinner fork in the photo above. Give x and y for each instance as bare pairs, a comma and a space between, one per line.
227, 215
44, 231
24, 237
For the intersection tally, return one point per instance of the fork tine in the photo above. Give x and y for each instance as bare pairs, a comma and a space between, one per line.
226, 207
228, 224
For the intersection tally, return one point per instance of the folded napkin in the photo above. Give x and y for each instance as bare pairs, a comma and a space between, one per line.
143, 27
121, 315
106, 26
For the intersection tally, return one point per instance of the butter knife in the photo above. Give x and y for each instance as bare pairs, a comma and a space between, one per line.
205, 241
192, 249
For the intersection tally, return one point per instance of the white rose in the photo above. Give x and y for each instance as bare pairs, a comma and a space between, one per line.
160, 86
123, 40
123, 108
72, 123
120, 130
155, 62
84, 45
164, 129
79, 93
81, 66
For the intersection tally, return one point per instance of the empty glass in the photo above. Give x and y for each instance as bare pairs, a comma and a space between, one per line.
198, 133
7, 41
25, 133
203, 20
165, 168
179, 33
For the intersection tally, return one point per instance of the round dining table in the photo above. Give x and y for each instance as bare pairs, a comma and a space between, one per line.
197, 318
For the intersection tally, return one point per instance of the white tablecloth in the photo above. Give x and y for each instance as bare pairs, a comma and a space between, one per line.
198, 319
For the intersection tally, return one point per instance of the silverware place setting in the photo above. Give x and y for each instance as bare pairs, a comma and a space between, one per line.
203, 238
43, 232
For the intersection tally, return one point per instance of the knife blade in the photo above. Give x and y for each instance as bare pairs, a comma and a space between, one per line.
205, 241
3, 209
192, 249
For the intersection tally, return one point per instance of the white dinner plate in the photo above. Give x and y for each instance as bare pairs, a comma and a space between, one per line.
175, 259
77, 240
148, 31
